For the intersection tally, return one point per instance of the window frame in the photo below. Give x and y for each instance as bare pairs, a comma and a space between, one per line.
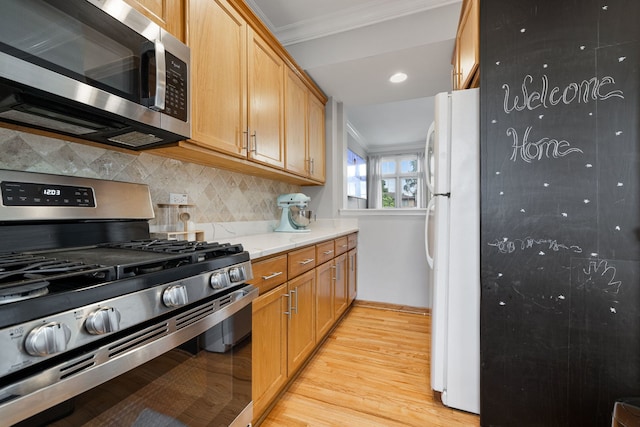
357, 177
398, 176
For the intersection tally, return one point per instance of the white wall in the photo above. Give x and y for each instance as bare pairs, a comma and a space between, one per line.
392, 265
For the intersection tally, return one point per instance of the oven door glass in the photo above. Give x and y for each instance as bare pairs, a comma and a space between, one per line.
78, 40
203, 382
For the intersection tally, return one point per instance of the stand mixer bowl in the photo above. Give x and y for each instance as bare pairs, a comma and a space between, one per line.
299, 217
295, 217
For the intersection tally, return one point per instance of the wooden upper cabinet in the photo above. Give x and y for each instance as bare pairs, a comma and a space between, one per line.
238, 96
218, 40
467, 50
238, 85
316, 139
296, 99
304, 141
266, 102
169, 14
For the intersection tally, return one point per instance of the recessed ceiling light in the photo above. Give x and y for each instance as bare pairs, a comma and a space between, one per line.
398, 78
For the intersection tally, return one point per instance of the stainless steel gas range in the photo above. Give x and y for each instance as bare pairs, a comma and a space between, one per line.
101, 324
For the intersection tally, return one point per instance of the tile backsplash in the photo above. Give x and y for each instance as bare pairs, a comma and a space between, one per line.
218, 195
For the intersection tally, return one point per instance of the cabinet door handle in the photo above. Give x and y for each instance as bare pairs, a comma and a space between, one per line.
288, 312
311, 166
328, 252
254, 135
246, 139
294, 309
272, 275
306, 261
337, 269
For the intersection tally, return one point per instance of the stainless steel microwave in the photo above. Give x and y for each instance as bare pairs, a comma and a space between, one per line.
93, 69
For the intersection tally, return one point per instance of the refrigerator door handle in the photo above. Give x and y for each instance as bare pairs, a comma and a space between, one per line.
429, 159
430, 205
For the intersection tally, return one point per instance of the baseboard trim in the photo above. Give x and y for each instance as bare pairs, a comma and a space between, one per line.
392, 307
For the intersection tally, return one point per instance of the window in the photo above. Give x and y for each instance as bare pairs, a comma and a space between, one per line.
356, 176
400, 180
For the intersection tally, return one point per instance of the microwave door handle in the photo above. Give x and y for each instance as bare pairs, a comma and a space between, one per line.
161, 77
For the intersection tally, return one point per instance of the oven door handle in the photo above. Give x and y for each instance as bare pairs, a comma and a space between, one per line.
240, 299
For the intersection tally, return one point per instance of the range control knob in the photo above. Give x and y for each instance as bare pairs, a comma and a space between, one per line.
219, 280
102, 321
237, 274
175, 296
47, 339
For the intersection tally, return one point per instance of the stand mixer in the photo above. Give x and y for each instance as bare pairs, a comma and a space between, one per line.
295, 217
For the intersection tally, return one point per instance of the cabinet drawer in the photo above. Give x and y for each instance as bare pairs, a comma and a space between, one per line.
325, 251
269, 273
301, 260
353, 240
342, 244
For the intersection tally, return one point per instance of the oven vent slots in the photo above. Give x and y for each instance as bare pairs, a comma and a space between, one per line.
77, 366
226, 300
139, 339
194, 315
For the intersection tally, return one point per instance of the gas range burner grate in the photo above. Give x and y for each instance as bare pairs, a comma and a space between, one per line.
24, 276
179, 247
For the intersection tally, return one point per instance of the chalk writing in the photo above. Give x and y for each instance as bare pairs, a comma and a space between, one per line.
601, 269
507, 246
533, 97
536, 150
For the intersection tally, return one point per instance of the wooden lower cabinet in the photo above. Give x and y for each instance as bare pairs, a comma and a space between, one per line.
283, 336
269, 341
340, 292
352, 279
291, 318
324, 298
301, 335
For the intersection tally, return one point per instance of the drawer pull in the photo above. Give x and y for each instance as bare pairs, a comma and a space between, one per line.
306, 261
328, 252
344, 246
272, 275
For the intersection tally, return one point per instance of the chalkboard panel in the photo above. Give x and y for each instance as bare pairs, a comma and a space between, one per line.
560, 224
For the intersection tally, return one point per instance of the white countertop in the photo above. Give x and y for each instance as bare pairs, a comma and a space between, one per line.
260, 245
259, 239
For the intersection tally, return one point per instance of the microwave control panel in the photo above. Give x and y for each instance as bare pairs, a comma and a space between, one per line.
176, 101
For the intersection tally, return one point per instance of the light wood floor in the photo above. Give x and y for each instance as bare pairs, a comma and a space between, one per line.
373, 370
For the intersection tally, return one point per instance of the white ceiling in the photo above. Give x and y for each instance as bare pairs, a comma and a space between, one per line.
351, 47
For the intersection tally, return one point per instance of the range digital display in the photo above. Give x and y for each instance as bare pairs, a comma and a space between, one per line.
32, 194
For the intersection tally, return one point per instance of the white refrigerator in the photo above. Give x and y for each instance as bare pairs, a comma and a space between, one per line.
453, 248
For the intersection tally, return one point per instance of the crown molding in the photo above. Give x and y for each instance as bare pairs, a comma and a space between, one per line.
347, 19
